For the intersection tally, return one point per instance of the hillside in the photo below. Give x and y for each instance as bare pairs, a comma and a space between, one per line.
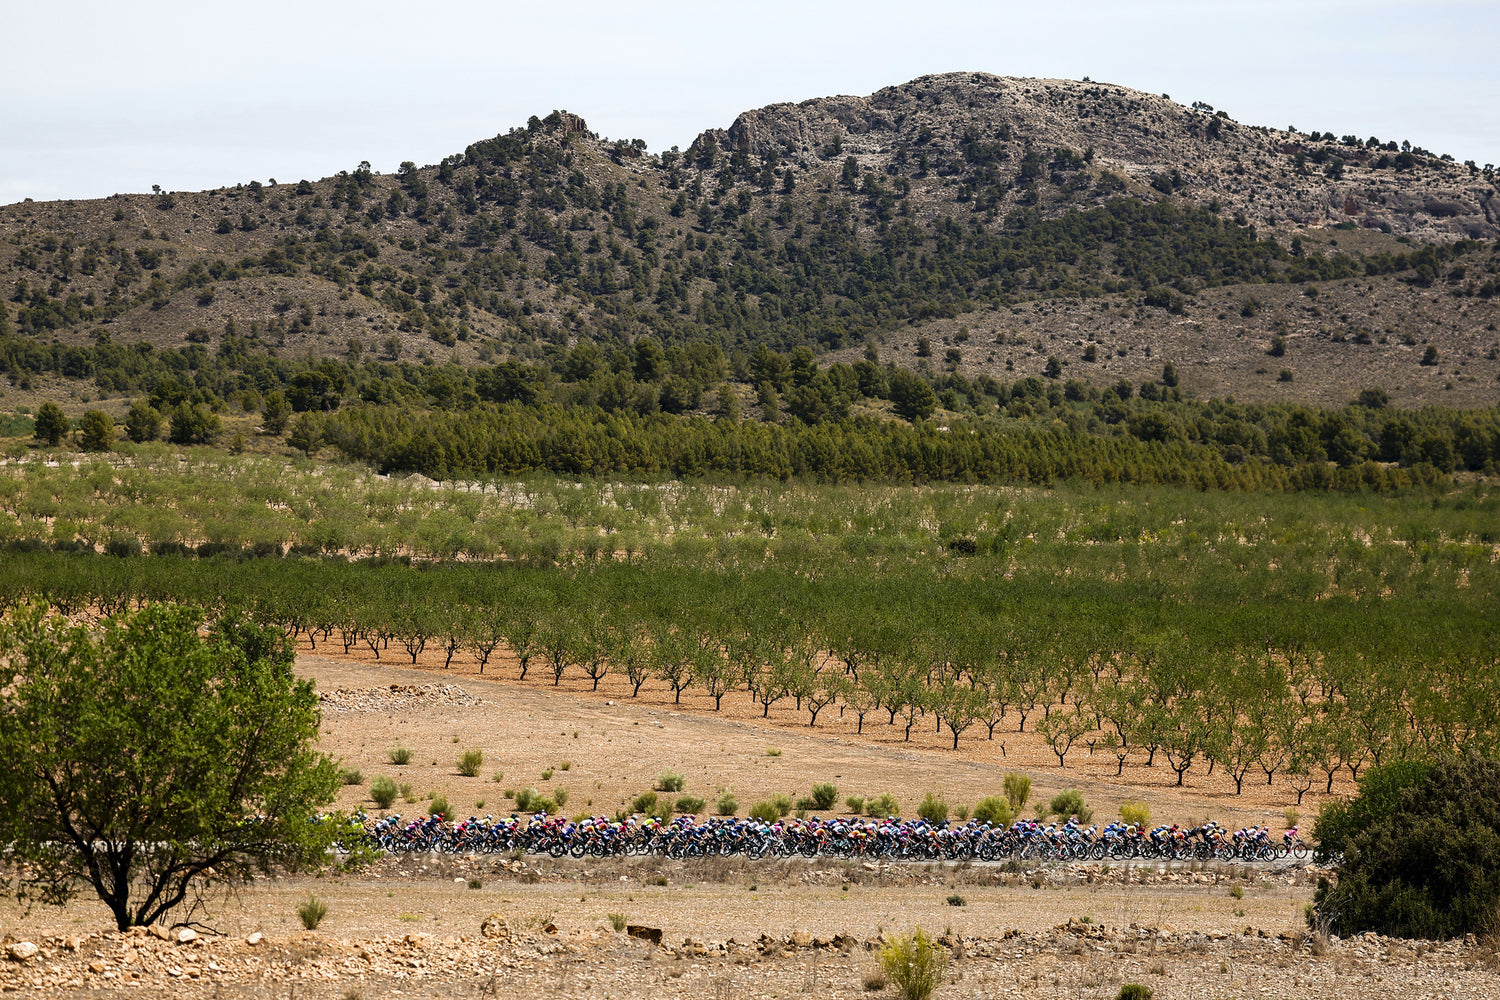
962, 222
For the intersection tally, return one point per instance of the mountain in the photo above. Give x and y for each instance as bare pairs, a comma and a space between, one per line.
963, 222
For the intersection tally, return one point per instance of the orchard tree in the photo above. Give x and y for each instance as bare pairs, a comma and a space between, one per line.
153, 764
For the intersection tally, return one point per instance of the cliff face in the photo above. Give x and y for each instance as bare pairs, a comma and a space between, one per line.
1271, 176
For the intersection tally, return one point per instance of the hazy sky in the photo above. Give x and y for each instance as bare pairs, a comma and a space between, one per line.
99, 96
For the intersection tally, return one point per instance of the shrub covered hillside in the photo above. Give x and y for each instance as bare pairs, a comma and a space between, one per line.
968, 225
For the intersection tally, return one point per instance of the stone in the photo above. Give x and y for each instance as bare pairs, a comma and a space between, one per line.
96, 967
651, 934
23, 951
494, 927
801, 939
185, 935
255, 939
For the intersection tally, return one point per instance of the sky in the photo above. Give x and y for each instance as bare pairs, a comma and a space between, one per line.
99, 97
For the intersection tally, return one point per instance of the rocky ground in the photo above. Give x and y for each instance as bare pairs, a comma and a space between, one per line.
687, 943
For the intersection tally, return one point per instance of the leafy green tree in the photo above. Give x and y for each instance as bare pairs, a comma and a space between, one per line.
143, 422
192, 423
910, 394
275, 413
96, 431
51, 424
153, 764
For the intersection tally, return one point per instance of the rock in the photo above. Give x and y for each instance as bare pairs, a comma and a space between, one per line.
494, 927
185, 935
652, 934
159, 932
96, 967
23, 951
801, 939
255, 939
550, 929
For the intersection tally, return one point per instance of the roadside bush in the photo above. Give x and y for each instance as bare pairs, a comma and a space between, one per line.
933, 808
825, 795
644, 803
400, 756
1421, 852
856, 804
352, 776
688, 805
561, 796
726, 804
994, 810
1017, 790
383, 791
783, 804
670, 781
884, 804
470, 763
765, 811
312, 912
1136, 813
1134, 991
439, 804
914, 963
1069, 802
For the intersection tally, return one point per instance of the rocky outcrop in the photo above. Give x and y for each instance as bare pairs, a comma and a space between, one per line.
1271, 176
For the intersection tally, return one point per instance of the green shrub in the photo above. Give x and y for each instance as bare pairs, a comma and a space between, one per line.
470, 763
726, 804
856, 804
383, 791
644, 803
825, 795
352, 776
439, 804
765, 811
914, 963
994, 810
1069, 802
1421, 852
1017, 790
688, 805
1135, 813
783, 804
398, 755
123, 546
560, 796
670, 781
884, 804
1134, 991
933, 808
957, 900
618, 922
312, 912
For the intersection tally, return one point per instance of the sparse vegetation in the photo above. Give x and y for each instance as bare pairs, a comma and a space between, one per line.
383, 791
914, 963
470, 762
311, 912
